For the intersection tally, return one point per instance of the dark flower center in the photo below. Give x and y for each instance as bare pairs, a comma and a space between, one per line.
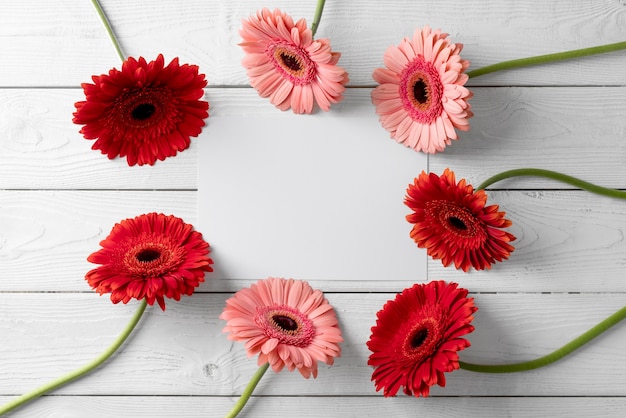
290, 61
146, 107
147, 255
457, 223
420, 91
143, 111
418, 338
285, 322
425, 336
461, 227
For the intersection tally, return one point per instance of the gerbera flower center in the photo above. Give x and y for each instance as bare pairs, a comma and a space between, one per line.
287, 325
421, 91
292, 63
423, 339
143, 111
147, 256
458, 221
419, 338
285, 322
145, 107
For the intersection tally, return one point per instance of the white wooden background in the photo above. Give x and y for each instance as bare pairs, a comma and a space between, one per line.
58, 199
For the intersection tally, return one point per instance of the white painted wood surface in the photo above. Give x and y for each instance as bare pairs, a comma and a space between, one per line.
58, 199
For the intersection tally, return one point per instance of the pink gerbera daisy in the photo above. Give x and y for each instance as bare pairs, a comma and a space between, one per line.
286, 322
287, 65
421, 98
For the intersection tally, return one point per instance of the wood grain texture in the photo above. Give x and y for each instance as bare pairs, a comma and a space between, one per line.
579, 131
59, 198
46, 236
40, 148
182, 351
315, 407
567, 241
63, 44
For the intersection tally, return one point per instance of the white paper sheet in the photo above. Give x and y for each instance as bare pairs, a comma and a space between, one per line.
313, 197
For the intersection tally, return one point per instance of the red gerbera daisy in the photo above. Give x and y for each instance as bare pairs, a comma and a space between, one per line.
421, 98
287, 65
152, 256
452, 223
286, 322
417, 337
145, 111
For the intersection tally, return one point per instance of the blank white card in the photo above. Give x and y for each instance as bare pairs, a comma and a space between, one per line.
313, 197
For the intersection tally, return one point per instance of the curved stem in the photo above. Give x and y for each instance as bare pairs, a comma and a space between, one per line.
108, 28
544, 59
563, 178
256, 378
318, 16
552, 357
27, 397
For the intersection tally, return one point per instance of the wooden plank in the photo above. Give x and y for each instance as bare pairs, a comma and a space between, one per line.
40, 147
182, 351
314, 407
63, 44
568, 241
514, 127
58, 199
580, 132
46, 236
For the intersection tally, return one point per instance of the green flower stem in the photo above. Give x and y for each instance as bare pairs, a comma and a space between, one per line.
552, 357
108, 28
27, 397
544, 59
590, 334
563, 178
248, 391
318, 16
